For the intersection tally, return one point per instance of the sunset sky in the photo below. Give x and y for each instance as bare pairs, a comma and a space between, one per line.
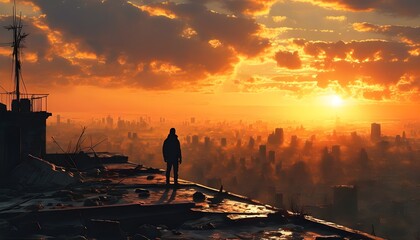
288, 58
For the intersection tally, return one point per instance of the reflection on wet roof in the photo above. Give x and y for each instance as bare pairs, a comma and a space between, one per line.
131, 194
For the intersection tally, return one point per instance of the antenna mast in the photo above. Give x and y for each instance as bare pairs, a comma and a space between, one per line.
18, 37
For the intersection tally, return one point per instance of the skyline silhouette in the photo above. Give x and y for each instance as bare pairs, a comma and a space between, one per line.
308, 106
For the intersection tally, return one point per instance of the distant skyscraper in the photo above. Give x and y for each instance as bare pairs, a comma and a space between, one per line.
398, 139
195, 139
58, 119
293, 141
335, 151
345, 202
193, 120
134, 135
277, 137
109, 121
207, 142
223, 142
271, 156
262, 153
375, 132
238, 143
251, 142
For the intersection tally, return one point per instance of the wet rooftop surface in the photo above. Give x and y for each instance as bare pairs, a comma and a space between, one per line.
131, 201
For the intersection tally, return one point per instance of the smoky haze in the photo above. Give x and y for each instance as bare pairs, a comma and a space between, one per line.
349, 173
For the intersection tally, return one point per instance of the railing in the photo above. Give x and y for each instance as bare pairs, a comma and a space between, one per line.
39, 102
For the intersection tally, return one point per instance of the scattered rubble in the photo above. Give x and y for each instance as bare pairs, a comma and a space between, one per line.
142, 193
37, 173
199, 197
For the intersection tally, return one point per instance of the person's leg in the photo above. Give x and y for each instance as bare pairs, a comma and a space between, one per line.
168, 171
176, 172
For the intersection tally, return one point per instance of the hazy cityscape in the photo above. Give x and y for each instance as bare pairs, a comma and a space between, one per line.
370, 168
296, 119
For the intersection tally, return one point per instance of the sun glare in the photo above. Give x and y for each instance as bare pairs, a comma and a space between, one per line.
335, 101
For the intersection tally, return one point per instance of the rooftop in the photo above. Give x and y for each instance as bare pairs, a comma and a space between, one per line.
125, 200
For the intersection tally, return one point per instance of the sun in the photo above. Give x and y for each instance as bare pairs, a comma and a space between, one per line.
335, 100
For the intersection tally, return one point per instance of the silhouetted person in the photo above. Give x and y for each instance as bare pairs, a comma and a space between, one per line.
172, 155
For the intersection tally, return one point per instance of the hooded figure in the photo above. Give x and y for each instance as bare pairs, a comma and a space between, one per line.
172, 155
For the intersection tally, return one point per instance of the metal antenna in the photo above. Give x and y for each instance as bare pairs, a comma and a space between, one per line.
18, 37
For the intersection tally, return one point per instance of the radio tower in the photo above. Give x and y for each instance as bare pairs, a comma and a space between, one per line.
18, 37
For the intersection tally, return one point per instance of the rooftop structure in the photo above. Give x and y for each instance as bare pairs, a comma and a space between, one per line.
22, 115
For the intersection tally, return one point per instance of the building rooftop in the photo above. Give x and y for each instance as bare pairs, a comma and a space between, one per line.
125, 200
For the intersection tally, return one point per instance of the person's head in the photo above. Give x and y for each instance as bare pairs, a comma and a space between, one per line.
172, 131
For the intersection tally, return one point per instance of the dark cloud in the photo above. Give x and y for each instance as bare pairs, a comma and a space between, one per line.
46, 68
405, 33
295, 85
359, 50
288, 59
375, 62
136, 48
377, 95
238, 7
237, 32
408, 8
37, 41
248, 6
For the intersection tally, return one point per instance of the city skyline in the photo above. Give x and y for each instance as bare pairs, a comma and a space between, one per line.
308, 107
304, 60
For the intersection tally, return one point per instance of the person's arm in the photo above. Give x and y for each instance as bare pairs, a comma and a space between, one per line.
163, 151
180, 154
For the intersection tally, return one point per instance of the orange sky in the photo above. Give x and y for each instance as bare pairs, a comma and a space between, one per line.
282, 59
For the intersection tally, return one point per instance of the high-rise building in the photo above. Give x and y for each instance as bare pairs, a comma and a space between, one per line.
134, 135
251, 142
375, 132
109, 121
293, 141
223, 142
345, 202
262, 153
206, 142
277, 137
336, 152
271, 156
195, 140
238, 143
